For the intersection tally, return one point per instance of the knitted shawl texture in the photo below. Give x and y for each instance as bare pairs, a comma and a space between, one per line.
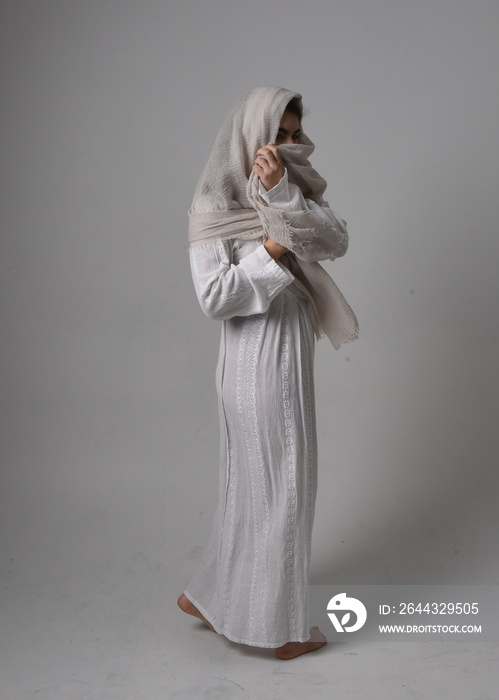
227, 204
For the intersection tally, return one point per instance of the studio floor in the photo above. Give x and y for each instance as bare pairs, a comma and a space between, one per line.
73, 630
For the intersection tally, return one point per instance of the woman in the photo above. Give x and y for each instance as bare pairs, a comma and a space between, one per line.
258, 227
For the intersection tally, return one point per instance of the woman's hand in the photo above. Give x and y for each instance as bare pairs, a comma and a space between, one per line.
268, 165
275, 250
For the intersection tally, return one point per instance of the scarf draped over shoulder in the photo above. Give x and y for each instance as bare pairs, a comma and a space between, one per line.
227, 204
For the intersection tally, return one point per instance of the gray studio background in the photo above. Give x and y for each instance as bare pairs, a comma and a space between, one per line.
109, 433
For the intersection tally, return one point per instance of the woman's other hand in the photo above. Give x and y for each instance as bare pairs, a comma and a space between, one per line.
275, 250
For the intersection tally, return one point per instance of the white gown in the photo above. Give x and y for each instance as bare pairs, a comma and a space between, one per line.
252, 581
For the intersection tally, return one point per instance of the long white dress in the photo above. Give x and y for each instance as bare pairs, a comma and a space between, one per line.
252, 581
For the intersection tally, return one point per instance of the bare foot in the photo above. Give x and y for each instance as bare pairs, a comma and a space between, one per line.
185, 604
293, 649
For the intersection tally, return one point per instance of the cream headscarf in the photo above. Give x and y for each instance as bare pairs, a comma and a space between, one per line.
227, 204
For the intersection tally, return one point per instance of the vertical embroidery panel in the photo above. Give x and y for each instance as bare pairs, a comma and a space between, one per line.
291, 461
310, 432
247, 407
230, 539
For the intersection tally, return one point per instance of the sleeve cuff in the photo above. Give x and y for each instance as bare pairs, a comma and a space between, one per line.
285, 196
261, 267
279, 191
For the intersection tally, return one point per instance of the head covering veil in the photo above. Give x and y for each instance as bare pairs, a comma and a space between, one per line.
252, 123
227, 204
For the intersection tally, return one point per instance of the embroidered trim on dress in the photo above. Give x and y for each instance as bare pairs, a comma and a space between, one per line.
246, 401
290, 452
230, 538
310, 433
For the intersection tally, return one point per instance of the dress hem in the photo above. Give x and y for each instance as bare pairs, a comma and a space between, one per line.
271, 645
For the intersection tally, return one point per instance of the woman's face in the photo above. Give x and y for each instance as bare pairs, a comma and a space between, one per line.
289, 129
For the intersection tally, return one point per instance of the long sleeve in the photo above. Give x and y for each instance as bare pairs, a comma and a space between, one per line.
226, 288
331, 236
